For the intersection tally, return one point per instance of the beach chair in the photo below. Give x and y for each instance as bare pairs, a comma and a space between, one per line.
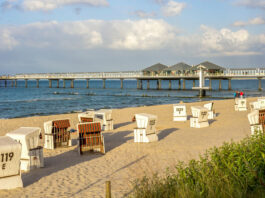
56, 133
31, 153
179, 112
254, 105
88, 116
90, 137
146, 128
261, 103
240, 104
10, 153
211, 112
254, 121
200, 117
104, 116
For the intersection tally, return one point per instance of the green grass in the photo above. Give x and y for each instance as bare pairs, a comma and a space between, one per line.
232, 170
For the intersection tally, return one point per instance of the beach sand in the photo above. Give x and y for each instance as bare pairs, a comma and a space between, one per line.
66, 174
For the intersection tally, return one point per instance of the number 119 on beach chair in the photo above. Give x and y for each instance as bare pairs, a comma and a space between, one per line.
90, 137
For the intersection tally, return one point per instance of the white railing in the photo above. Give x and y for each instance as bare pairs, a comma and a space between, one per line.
233, 73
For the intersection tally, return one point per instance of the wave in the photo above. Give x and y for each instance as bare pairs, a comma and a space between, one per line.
38, 100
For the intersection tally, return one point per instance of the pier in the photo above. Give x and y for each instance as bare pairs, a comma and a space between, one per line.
227, 75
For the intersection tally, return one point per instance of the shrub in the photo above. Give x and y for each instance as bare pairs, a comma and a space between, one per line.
232, 170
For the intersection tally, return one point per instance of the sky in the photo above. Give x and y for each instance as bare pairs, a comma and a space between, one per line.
45, 36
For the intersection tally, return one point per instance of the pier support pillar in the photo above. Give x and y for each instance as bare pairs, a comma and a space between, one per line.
26, 83
138, 84
50, 83
141, 84
104, 83
169, 84
260, 87
148, 84
15, 83
179, 84
63, 83
210, 83
158, 84
12, 83
5, 83
202, 93
229, 84
58, 83
72, 83
220, 84
184, 83
37, 83
87, 83
193, 83
121, 83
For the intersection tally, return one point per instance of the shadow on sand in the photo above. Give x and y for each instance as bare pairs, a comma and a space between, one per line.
116, 126
56, 163
165, 133
113, 140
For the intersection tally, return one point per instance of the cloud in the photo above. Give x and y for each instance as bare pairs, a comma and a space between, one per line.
254, 21
173, 8
252, 3
130, 35
47, 5
143, 14
7, 41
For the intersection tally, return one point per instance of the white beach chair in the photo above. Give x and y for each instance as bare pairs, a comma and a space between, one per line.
32, 153
254, 105
105, 117
211, 113
57, 134
179, 112
200, 117
10, 175
146, 128
242, 104
254, 122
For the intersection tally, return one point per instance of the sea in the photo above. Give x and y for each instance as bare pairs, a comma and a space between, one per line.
16, 102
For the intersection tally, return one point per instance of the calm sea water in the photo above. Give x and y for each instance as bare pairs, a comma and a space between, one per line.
32, 101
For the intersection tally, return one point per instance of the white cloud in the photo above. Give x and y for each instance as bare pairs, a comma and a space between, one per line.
7, 41
47, 5
252, 3
173, 8
143, 14
128, 35
254, 21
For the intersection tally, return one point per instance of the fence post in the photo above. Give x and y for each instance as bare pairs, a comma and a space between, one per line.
108, 189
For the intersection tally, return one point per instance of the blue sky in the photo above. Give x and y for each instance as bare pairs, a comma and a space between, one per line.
122, 35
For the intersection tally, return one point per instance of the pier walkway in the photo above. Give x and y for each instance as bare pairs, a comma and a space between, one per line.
229, 74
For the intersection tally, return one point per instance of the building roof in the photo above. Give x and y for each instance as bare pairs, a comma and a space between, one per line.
208, 65
178, 67
155, 67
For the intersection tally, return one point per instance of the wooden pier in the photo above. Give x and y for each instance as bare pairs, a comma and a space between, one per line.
228, 75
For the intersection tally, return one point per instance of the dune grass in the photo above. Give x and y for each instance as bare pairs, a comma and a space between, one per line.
232, 170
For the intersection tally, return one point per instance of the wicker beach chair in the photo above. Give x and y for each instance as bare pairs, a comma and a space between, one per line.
56, 133
90, 137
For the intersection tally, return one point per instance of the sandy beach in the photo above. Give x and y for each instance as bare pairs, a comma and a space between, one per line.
67, 174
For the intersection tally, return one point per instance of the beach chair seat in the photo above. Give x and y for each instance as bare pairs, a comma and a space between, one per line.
56, 133
261, 103
254, 105
146, 128
90, 137
32, 153
211, 112
10, 174
200, 118
179, 112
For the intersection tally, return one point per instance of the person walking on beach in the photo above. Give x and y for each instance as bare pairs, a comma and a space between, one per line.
241, 94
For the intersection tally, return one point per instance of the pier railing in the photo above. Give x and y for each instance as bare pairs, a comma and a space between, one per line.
257, 73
